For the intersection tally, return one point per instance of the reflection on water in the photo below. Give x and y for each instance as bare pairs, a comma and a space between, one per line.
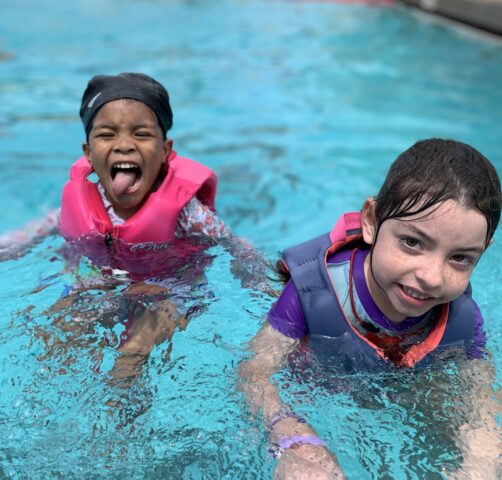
97, 368
299, 107
398, 423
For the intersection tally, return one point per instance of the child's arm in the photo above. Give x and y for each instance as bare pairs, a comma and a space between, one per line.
249, 265
16, 243
152, 320
297, 460
479, 439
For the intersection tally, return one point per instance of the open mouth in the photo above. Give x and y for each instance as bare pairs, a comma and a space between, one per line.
415, 294
125, 176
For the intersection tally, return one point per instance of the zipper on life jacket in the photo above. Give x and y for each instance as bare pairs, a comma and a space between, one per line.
109, 241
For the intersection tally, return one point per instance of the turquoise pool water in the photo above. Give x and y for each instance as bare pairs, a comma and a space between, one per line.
300, 107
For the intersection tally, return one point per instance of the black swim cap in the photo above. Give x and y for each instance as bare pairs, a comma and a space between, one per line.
102, 89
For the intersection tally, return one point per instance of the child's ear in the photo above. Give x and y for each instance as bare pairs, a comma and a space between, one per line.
167, 148
87, 151
368, 220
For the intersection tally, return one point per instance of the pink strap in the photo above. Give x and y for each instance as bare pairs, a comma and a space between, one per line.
348, 224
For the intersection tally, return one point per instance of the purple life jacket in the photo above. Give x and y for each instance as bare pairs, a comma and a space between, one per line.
307, 264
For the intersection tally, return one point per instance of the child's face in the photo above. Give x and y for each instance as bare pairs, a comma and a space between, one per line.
126, 149
423, 260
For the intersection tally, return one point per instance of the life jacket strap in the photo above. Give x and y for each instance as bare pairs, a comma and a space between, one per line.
306, 263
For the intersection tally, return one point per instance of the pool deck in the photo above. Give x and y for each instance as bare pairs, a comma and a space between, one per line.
483, 14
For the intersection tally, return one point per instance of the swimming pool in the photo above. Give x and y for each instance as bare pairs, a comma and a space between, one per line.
299, 107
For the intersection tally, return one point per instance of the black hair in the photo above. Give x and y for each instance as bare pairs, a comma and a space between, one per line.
434, 171
429, 173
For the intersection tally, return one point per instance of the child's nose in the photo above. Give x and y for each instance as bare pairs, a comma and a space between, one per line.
431, 275
124, 144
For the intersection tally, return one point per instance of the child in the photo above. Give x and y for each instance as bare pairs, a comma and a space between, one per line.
390, 285
151, 213
150, 209
147, 197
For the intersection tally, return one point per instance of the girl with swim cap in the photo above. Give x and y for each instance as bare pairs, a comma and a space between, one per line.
147, 197
150, 208
149, 217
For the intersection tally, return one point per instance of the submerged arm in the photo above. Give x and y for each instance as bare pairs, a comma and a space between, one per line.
248, 264
297, 460
152, 320
16, 243
479, 439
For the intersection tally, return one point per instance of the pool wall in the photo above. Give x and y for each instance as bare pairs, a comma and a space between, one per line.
484, 14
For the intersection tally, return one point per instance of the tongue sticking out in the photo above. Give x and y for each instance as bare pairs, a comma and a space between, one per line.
122, 181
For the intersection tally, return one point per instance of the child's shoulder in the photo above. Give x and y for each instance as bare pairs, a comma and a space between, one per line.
197, 219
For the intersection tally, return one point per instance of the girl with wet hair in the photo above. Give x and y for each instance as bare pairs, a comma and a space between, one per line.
388, 286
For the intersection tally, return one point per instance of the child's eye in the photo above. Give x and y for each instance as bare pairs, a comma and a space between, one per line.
465, 260
410, 243
103, 135
143, 133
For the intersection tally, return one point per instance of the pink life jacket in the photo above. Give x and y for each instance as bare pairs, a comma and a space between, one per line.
145, 244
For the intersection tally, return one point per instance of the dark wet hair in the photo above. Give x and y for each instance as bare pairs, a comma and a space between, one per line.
430, 172
433, 171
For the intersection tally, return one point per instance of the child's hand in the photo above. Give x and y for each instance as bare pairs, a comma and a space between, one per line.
481, 455
307, 462
152, 323
16, 243
302, 461
480, 438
